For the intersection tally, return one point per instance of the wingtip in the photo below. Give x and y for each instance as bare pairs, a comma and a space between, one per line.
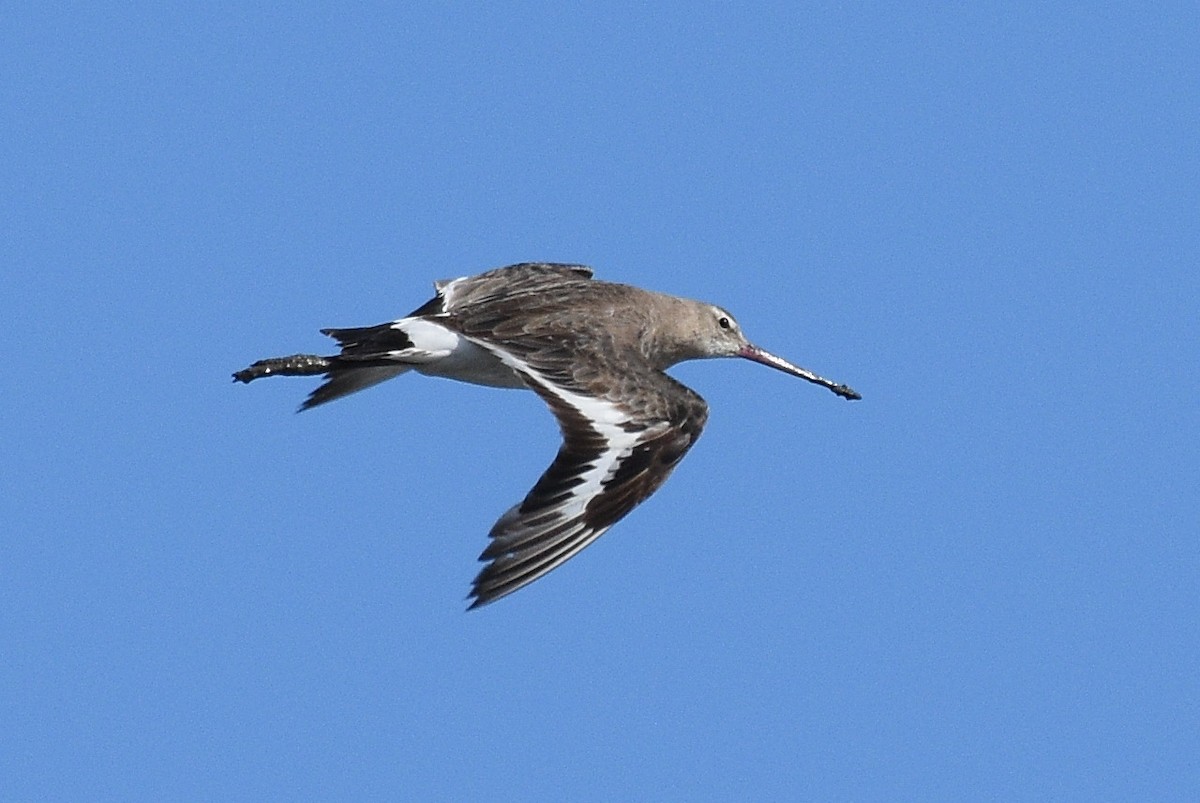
480, 594
478, 600
485, 590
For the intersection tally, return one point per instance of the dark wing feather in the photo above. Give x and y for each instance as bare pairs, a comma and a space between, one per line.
617, 450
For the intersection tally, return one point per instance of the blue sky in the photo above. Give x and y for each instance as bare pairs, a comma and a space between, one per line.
980, 581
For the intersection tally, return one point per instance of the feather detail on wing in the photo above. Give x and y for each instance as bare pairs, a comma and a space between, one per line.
615, 454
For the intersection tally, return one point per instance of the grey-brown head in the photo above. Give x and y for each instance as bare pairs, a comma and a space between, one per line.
713, 332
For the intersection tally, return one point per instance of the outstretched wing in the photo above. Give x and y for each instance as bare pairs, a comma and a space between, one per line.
617, 450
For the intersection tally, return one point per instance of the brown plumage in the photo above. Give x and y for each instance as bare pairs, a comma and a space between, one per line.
594, 351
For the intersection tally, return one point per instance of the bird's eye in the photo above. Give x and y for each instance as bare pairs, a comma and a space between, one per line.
724, 323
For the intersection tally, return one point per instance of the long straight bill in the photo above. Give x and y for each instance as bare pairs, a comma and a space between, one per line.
767, 358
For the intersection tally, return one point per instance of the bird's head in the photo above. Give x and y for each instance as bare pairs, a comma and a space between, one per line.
716, 333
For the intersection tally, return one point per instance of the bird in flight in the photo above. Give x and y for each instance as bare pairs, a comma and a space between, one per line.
594, 351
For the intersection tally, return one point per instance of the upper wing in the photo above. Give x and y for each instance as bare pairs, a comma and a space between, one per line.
617, 450
373, 354
510, 283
